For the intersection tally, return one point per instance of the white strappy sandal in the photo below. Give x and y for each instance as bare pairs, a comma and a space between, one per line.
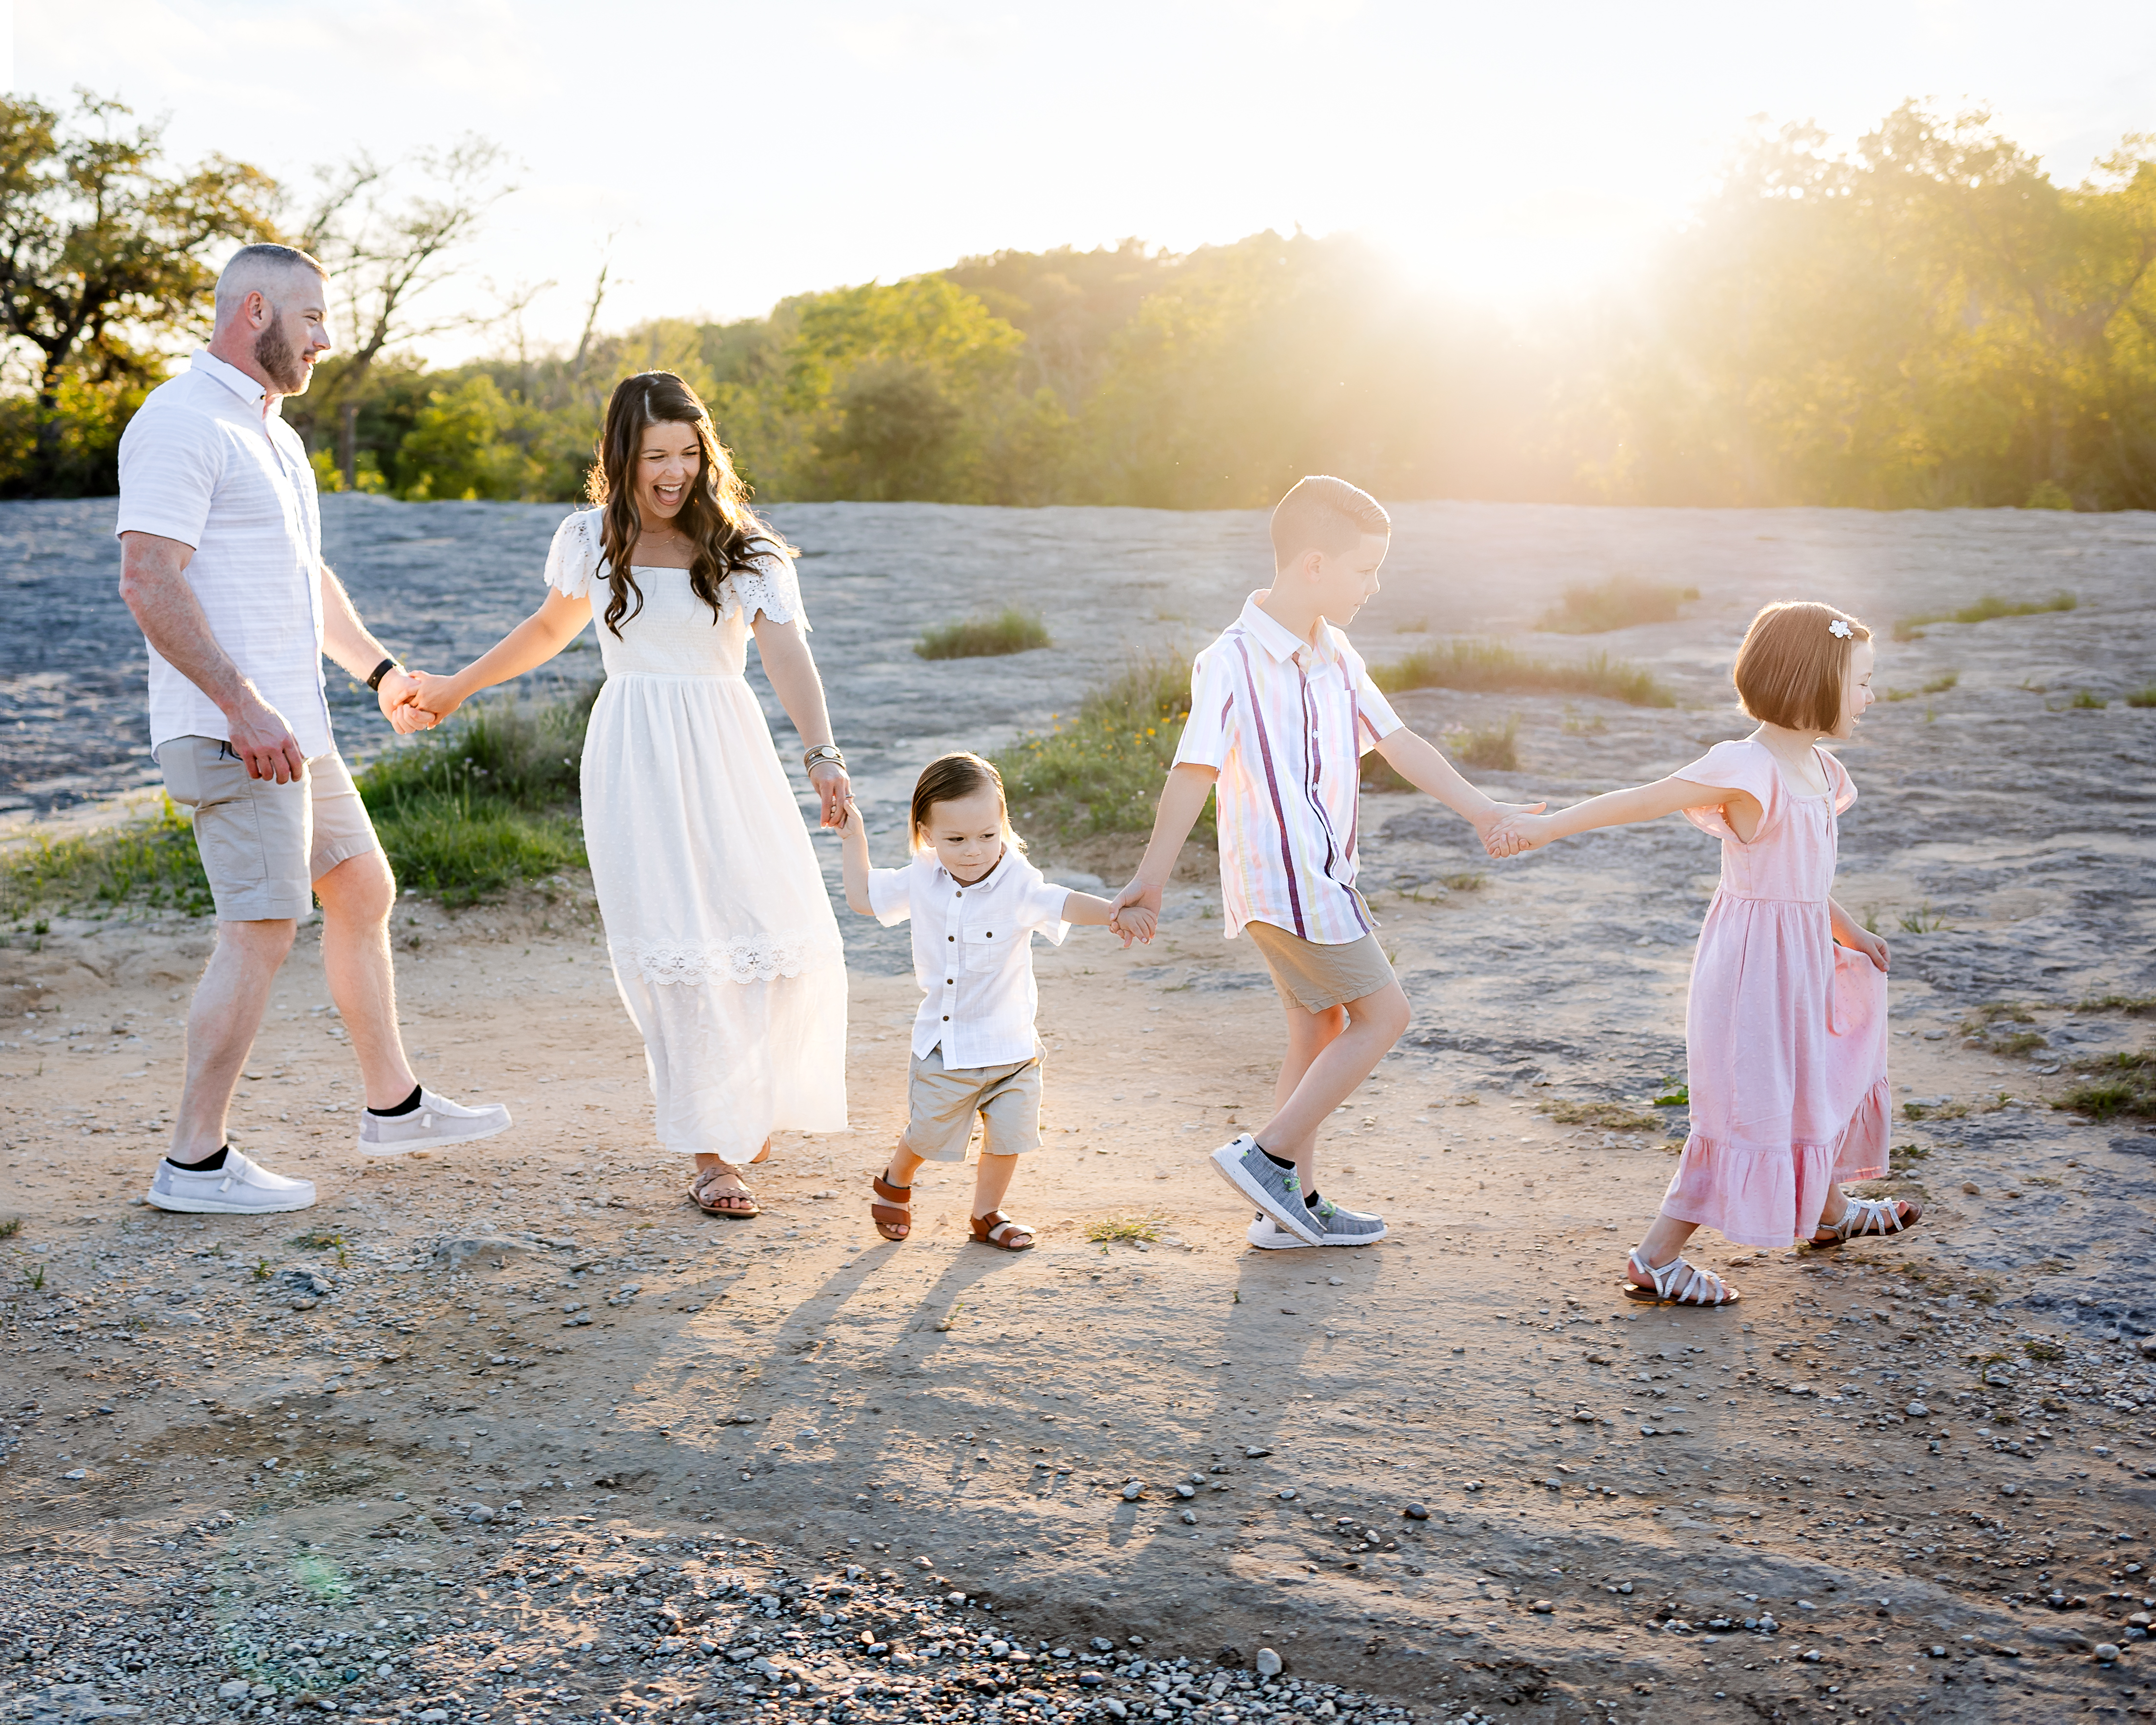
1679, 1282
1869, 1216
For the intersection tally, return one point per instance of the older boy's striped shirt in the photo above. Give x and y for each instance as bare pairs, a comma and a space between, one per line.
1286, 724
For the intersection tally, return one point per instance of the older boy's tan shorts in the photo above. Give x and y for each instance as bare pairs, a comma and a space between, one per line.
264, 844
942, 1102
1317, 977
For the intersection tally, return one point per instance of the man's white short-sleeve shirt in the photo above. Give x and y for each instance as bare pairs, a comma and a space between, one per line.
1285, 723
202, 463
972, 953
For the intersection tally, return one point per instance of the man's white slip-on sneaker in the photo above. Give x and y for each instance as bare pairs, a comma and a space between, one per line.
1276, 1190
435, 1123
240, 1188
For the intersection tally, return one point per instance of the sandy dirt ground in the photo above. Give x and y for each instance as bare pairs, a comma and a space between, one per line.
460, 1442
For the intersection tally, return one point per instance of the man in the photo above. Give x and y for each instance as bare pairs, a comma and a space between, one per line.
221, 564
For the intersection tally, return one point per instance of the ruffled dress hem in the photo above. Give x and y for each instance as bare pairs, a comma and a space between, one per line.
1746, 1193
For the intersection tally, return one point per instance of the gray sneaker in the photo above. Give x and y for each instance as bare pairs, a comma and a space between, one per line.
1276, 1190
435, 1123
240, 1188
1336, 1228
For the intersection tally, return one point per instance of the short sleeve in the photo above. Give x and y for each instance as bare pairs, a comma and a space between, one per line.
1738, 765
1375, 717
890, 894
170, 463
1210, 731
1839, 782
768, 584
1044, 906
574, 559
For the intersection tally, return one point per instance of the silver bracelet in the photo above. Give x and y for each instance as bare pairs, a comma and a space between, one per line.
830, 751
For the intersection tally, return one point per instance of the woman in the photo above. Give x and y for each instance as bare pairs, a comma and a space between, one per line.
724, 945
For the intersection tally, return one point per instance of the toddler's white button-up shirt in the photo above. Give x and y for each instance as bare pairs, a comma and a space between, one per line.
1284, 724
202, 463
972, 953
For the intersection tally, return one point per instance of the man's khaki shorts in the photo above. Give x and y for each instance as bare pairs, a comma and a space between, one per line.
942, 1102
1318, 977
263, 844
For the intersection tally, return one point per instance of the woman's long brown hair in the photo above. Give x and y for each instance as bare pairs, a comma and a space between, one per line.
725, 534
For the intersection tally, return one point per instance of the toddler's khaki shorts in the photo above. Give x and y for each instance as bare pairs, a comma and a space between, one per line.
942, 1101
1315, 977
264, 844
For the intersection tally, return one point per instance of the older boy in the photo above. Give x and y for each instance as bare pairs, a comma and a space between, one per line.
1281, 710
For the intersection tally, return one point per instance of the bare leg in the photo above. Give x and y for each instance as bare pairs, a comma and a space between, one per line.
222, 1020
1333, 1061
357, 895
990, 1181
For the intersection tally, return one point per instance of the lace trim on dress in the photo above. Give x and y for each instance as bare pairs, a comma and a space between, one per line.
769, 584
747, 959
573, 560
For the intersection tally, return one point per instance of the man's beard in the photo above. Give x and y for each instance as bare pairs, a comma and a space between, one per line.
280, 361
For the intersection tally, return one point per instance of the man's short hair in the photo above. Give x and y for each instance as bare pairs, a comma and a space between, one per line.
1321, 513
260, 268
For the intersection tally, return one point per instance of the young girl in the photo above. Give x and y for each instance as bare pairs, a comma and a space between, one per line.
725, 949
1785, 1026
975, 903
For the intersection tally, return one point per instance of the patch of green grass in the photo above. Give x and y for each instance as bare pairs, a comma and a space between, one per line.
318, 1239
151, 859
9, 1228
1673, 1093
1494, 746
1010, 630
1923, 920
1611, 1116
2135, 1006
262, 1271
1621, 602
2088, 700
2144, 696
2018, 1042
1460, 664
1984, 610
2116, 1084
1125, 1231
1992, 1012
1102, 771
1466, 880
1934, 1110
2043, 1350
1937, 685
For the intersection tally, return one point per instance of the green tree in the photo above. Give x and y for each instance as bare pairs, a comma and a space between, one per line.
103, 261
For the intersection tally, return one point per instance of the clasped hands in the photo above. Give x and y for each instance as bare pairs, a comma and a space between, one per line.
415, 701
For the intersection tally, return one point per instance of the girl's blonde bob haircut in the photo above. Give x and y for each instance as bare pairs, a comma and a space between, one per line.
948, 778
1793, 670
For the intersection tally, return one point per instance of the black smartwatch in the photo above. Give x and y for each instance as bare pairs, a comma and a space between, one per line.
380, 671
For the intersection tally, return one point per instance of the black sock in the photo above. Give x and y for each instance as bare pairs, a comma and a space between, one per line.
406, 1106
1310, 1200
1276, 1161
208, 1165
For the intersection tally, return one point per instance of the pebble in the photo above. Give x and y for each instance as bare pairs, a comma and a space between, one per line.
2106, 1652
1416, 1512
1268, 1663
1133, 1491
1917, 1410
1190, 1518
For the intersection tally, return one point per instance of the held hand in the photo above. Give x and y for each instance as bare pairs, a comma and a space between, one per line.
1146, 901
427, 701
835, 790
1133, 922
264, 742
1517, 832
397, 697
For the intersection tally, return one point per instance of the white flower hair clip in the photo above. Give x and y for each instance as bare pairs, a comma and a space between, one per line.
1839, 630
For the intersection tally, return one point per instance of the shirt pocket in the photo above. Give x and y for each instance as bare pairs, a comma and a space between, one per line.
985, 947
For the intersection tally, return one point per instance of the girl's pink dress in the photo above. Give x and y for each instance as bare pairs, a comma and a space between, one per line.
1785, 1032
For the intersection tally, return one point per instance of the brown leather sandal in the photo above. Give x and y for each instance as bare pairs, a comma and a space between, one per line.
996, 1229
894, 1217
735, 1206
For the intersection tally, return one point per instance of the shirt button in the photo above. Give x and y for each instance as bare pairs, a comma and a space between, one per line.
950, 936
946, 1017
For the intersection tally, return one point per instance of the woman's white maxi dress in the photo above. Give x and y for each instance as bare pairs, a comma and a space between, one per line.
724, 945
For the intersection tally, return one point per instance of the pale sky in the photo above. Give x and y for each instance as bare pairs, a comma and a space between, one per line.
743, 153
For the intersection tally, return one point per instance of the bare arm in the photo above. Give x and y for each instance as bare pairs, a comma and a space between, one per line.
350, 644
854, 860
1182, 801
153, 582
534, 641
783, 647
1616, 808
1850, 933
1418, 761
1088, 911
